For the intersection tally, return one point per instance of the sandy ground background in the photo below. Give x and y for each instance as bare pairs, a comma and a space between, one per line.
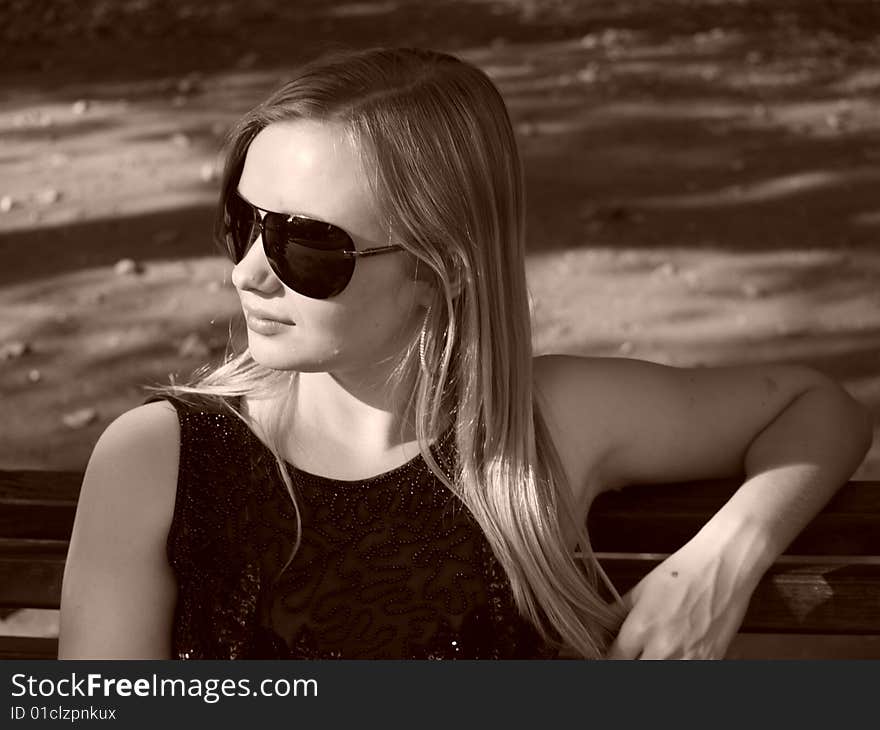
702, 176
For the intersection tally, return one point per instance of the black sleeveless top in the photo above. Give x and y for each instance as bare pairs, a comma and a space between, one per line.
390, 567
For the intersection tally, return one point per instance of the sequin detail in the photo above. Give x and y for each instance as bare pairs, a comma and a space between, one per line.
391, 567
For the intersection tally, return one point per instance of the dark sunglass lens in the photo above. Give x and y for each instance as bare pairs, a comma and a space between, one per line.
307, 255
308, 232
242, 228
312, 273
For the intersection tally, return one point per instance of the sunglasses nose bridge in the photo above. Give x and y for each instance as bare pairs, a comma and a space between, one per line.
246, 238
257, 231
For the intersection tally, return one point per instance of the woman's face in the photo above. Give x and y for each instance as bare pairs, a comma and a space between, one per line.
312, 168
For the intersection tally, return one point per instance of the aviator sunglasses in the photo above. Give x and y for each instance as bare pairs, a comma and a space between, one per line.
312, 257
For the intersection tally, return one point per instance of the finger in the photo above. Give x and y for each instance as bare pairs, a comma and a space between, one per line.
628, 599
627, 645
622, 651
655, 652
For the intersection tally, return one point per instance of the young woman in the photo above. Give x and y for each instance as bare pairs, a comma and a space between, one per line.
386, 471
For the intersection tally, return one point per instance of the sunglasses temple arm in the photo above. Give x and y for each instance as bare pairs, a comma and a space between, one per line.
371, 251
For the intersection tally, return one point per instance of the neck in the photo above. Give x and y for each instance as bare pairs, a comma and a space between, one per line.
354, 408
343, 426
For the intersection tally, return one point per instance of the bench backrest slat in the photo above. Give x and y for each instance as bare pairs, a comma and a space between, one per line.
661, 518
31, 572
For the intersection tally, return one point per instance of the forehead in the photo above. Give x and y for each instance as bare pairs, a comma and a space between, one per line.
311, 168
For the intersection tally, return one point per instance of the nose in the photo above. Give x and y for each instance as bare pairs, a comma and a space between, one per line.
253, 272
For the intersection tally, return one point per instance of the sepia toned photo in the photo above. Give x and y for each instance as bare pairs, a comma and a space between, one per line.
443, 330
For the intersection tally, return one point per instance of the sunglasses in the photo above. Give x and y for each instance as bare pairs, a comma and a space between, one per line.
312, 257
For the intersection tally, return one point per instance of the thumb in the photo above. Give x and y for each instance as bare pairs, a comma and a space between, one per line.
626, 644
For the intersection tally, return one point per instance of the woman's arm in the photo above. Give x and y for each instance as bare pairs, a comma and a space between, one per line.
794, 434
118, 594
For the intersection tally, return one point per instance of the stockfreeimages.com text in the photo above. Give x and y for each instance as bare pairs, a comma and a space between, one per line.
209, 690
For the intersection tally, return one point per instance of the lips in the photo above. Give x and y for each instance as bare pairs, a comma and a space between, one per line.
266, 326
259, 314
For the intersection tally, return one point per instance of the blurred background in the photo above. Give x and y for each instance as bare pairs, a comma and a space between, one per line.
703, 181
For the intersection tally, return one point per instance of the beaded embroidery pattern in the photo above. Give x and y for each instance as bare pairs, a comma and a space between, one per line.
390, 567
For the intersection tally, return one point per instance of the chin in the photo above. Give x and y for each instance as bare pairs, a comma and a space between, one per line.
273, 352
277, 354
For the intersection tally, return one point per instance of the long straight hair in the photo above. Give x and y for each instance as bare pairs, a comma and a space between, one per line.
435, 137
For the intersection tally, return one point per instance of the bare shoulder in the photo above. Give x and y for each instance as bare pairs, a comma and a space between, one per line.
134, 467
118, 591
569, 382
143, 444
573, 380
626, 421
569, 389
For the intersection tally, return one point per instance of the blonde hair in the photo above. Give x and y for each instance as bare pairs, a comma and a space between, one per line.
436, 137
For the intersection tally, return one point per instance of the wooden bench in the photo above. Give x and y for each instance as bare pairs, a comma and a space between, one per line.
820, 600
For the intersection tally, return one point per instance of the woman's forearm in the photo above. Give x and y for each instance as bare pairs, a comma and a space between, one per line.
793, 467
692, 604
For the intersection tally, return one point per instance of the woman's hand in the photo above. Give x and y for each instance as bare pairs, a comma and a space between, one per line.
689, 607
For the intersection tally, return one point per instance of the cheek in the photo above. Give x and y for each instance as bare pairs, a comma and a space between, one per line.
363, 325
370, 322
348, 326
